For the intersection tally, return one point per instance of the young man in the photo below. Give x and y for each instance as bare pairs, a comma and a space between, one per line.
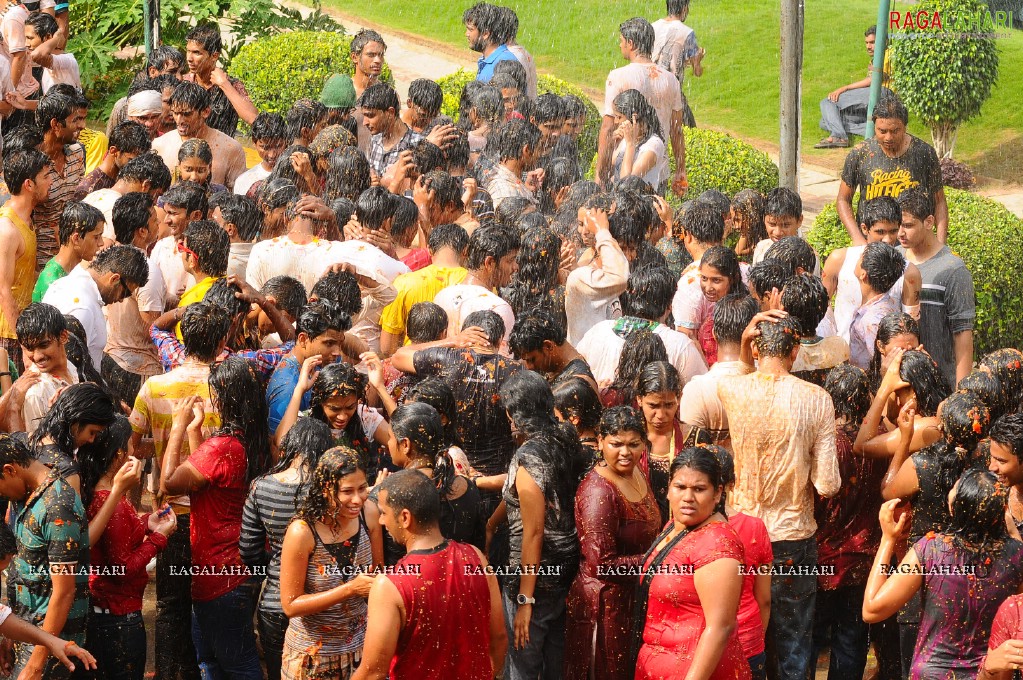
62, 118
115, 274
401, 636
242, 219
15, 49
228, 100
592, 290
321, 328
146, 174
804, 298
675, 48
367, 53
783, 216
57, 66
889, 163
517, 143
766, 279
379, 106
190, 105
699, 408
28, 177
548, 115
81, 235
49, 575
423, 105
661, 90
879, 268
1007, 451
483, 30
128, 140
947, 301
508, 31
645, 305
538, 340
183, 203
491, 264
781, 457
844, 111
447, 244
293, 254
42, 334
305, 119
269, 138
881, 221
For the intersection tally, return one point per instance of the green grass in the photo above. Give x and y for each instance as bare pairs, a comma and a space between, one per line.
576, 40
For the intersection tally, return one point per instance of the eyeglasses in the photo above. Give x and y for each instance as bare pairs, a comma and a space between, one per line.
182, 248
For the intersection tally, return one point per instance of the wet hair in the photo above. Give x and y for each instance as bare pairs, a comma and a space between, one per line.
641, 348
726, 262
421, 424
308, 438
269, 126
634, 106
284, 169
986, 386
751, 205
406, 219
1008, 431
78, 219
621, 419
632, 216
634, 184
22, 138
427, 95
288, 293
225, 296
537, 278
237, 395
889, 327
94, 460
211, 245
13, 451
850, 392
203, 327
880, 209
188, 196
38, 324
380, 97
778, 338
658, 376
716, 200
130, 214
700, 459
437, 393
195, 148
487, 103
78, 355
889, 106
192, 95
511, 139
965, 419
304, 115
704, 222
783, 202
147, 166
732, 314
341, 288
130, 137
54, 106
411, 490
348, 174
640, 33
364, 37
456, 153
559, 172
677, 7
533, 328
978, 514
1007, 365
78, 405
916, 202
511, 68
566, 220
44, 24
806, 299
128, 261
240, 211
375, 206
489, 241
343, 209
21, 165
426, 322
340, 379
427, 157
574, 107
575, 397
207, 35
491, 323
334, 465
794, 254
883, 266
511, 210
316, 318
75, 327
649, 293
547, 108
928, 382
448, 236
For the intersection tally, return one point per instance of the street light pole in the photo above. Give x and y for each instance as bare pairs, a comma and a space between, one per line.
791, 86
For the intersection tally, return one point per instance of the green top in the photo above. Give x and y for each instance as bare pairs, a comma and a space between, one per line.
51, 272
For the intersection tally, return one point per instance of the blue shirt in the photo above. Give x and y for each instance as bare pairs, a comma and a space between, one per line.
281, 387
486, 64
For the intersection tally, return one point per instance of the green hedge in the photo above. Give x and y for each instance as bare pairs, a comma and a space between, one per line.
715, 160
453, 84
987, 237
279, 70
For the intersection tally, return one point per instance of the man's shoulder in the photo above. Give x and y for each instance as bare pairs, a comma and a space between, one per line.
167, 141
215, 136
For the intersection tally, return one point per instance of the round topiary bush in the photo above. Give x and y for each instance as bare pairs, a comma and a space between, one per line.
985, 235
452, 86
715, 160
281, 69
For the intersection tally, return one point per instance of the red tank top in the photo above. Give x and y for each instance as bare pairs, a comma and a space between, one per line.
447, 615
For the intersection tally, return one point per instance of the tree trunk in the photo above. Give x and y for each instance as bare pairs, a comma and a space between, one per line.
943, 136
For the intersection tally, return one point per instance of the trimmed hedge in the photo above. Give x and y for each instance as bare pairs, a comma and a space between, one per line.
987, 237
715, 160
279, 70
453, 84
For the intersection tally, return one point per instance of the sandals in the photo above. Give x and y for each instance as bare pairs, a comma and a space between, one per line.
831, 143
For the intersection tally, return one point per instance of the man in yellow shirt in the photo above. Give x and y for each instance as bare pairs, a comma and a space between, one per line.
447, 244
204, 252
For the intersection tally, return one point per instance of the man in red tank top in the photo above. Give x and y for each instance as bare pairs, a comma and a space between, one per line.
410, 632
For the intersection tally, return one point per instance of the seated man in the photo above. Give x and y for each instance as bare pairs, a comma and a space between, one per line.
844, 111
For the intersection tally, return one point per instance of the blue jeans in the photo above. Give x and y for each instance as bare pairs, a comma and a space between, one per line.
543, 655
119, 645
175, 655
793, 599
758, 666
224, 639
840, 626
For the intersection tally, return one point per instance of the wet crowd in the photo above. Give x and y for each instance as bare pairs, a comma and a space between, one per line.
411, 398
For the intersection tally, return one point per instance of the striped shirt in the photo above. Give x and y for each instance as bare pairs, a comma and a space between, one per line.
47, 214
268, 511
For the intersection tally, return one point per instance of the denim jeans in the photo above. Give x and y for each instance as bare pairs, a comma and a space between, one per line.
272, 627
119, 645
790, 632
543, 654
225, 641
175, 655
758, 666
840, 626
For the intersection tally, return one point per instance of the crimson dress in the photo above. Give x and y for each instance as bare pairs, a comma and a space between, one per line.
674, 617
614, 534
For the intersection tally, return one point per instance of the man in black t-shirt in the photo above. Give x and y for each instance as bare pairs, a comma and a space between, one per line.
888, 164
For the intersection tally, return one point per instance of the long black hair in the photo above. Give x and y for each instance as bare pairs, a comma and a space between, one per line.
307, 438
891, 326
95, 459
321, 502
642, 348
850, 392
438, 394
1007, 365
420, 424
965, 421
726, 262
78, 405
237, 395
536, 282
978, 514
926, 379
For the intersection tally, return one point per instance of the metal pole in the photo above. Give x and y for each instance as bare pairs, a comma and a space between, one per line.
791, 86
151, 21
877, 75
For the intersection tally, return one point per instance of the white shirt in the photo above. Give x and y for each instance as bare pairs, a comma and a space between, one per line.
283, 257
658, 172
103, 200
659, 86
526, 59
602, 348
167, 260
238, 259
77, 294
39, 396
64, 70
461, 300
250, 177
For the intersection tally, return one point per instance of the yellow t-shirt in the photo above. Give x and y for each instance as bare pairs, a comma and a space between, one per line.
194, 294
96, 144
418, 286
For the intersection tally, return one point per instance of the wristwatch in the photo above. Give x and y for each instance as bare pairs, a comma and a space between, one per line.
525, 599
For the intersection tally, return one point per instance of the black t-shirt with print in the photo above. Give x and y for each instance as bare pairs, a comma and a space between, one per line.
872, 173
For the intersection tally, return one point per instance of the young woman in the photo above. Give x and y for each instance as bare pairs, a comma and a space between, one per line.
195, 163
216, 477
1007, 365
657, 394
688, 599
536, 283
748, 208
616, 518
963, 573
641, 150
895, 331
324, 584
438, 394
642, 349
576, 402
720, 275
116, 633
272, 502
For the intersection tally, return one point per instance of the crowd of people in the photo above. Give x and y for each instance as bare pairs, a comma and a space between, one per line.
411, 398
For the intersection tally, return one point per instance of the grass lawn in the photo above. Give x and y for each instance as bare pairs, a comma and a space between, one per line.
576, 40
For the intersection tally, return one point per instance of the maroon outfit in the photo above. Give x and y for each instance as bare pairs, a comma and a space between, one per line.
674, 616
447, 615
614, 534
128, 543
